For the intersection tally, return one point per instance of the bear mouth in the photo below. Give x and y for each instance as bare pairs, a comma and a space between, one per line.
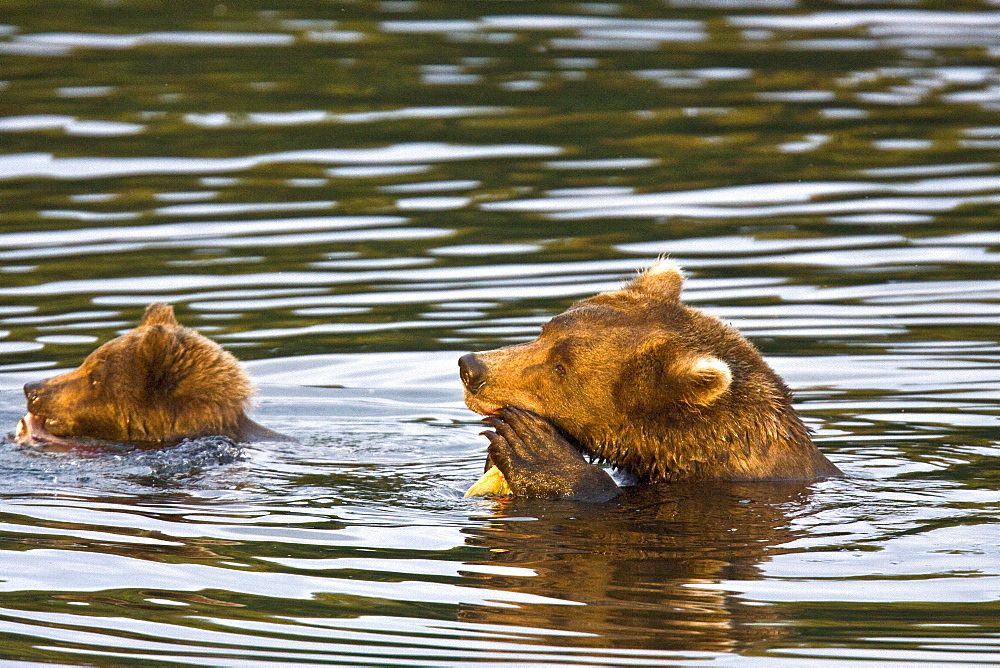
31, 431
477, 405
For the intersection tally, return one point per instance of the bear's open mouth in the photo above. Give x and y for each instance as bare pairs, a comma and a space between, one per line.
31, 431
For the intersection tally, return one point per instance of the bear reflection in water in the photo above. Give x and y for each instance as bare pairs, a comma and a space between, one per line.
643, 571
636, 379
158, 384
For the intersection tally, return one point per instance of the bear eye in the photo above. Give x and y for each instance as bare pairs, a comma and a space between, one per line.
560, 370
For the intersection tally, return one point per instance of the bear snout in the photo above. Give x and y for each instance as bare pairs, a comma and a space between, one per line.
473, 371
33, 392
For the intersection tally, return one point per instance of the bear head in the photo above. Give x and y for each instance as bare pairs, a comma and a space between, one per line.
659, 389
160, 382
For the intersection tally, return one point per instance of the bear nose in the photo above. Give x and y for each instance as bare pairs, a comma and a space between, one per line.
32, 391
473, 372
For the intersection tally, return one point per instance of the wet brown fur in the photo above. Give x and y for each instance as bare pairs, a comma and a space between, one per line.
657, 388
160, 382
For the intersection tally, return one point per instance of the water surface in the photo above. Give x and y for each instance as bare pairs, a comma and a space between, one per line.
350, 195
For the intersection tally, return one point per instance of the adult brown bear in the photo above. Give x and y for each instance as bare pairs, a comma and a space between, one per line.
636, 379
159, 383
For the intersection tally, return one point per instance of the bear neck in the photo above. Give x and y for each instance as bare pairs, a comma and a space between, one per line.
725, 442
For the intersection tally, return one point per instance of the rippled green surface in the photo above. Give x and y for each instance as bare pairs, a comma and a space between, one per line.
349, 195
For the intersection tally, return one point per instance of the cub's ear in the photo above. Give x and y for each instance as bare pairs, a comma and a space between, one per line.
663, 280
159, 314
152, 357
665, 373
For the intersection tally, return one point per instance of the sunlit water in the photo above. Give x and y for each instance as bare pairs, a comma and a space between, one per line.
349, 195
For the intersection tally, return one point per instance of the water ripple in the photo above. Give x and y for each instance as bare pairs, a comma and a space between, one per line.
46, 165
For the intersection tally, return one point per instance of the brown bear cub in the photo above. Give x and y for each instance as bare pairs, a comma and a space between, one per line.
634, 378
159, 383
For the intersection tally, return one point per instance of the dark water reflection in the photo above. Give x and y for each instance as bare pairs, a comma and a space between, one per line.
350, 194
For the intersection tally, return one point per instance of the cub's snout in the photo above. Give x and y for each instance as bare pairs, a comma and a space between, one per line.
33, 392
37, 395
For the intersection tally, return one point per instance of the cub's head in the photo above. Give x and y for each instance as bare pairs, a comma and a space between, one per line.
627, 371
160, 382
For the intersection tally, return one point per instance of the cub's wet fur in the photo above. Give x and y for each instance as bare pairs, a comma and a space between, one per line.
159, 383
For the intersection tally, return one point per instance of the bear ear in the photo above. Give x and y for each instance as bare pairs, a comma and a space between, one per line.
702, 379
159, 314
152, 358
663, 280
665, 372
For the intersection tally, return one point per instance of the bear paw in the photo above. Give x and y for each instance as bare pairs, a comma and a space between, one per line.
537, 461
